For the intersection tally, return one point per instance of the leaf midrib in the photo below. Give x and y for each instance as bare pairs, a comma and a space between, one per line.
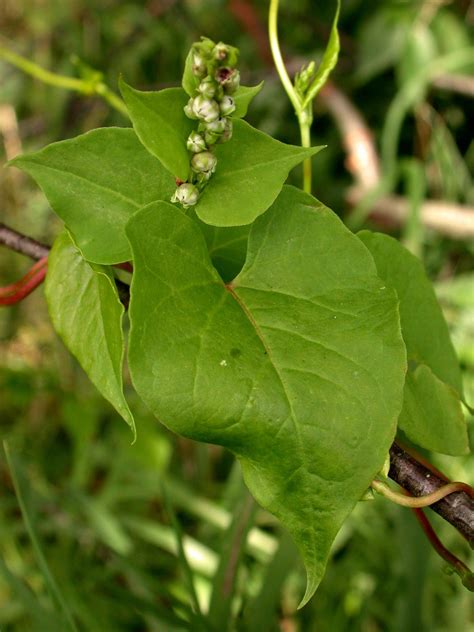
269, 353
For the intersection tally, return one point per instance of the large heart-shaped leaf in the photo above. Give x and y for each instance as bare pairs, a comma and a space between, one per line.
432, 415
87, 314
251, 170
94, 183
161, 125
297, 366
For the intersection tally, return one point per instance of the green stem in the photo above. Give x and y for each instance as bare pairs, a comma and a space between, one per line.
305, 118
112, 99
60, 81
467, 577
277, 57
304, 114
419, 501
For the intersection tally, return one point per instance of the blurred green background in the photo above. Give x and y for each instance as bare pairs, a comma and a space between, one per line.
92, 526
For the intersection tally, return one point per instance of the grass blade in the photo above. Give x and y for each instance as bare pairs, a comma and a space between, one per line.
232, 547
22, 491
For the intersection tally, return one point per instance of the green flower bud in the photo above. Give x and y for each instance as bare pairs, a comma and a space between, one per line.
199, 66
203, 177
211, 138
216, 127
205, 109
201, 56
204, 47
227, 133
189, 109
207, 87
186, 194
196, 143
227, 105
223, 53
228, 78
204, 162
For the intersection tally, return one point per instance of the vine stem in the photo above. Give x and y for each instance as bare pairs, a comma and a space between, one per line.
420, 501
303, 114
16, 292
305, 118
464, 572
82, 86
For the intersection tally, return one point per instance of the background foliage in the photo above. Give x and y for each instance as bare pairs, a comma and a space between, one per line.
109, 517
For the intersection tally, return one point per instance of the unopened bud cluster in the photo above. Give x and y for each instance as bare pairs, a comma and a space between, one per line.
213, 66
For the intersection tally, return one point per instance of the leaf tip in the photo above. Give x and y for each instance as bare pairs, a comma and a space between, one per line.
312, 583
316, 149
122, 84
258, 87
133, 428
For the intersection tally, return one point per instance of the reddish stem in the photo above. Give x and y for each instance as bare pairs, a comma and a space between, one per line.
16, 292
460, 568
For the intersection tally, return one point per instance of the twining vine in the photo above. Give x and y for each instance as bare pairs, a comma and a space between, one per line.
327, 302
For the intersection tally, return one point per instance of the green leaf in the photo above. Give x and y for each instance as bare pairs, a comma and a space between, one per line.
432, 414
94, 183
328, 61
87, 314
431, 356
251, 170
243, 97
190, 82
161, 125
424, 328
297, 366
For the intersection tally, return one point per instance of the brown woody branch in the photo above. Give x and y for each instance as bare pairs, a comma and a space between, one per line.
419, 480
18, 242
409, 472
22, 244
